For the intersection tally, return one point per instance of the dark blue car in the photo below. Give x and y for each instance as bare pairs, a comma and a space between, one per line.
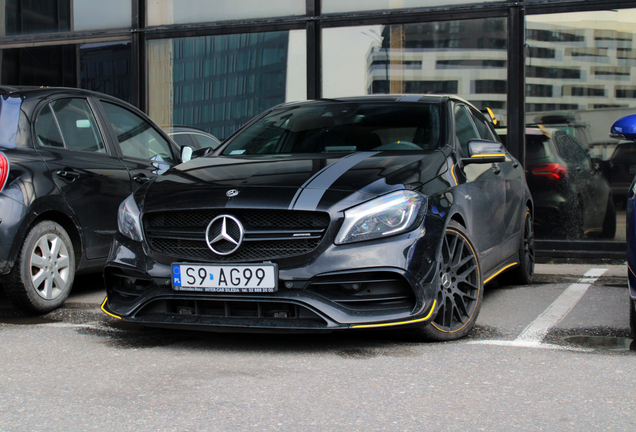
625, 128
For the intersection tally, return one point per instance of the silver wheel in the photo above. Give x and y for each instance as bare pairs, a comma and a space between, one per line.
50, 266
43, 274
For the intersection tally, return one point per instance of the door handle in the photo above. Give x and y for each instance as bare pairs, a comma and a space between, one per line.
68, 174
141, 178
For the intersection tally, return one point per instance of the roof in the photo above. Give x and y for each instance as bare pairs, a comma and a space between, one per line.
38, 91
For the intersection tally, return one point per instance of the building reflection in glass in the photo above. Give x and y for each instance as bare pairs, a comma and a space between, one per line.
218, 83
579, 79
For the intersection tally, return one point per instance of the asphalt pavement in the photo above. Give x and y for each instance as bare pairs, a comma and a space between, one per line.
535, 361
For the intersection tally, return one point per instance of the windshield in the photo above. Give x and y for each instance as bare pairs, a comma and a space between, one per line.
341, 127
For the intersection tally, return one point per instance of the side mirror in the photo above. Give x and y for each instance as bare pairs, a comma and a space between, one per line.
202, 152
186, 153
481, 151
624, 128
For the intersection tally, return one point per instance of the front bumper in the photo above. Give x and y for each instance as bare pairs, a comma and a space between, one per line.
362, 286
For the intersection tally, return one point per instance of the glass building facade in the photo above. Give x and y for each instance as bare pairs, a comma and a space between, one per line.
555, 74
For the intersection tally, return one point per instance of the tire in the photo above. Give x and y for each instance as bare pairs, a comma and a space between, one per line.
609, 222
524, 272
460, 292
43, 274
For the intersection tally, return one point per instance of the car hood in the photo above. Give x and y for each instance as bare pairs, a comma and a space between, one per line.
295, 182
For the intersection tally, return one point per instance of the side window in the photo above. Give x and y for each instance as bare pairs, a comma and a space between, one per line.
46, 129
464, 128
137, 138
566, 150
76, 122
483, 128
581, 157
204, 141
182, 140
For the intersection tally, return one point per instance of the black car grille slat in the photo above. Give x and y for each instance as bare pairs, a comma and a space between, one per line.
268, 234
366, 291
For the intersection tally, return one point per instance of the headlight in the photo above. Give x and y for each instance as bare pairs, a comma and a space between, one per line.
128, 219
391, 214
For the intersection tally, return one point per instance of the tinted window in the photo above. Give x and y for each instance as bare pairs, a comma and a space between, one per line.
76, 123
537, 147
341, 127
203, 141
578, 153
482, 127
566, 149
464, 128
182, 140
47, 130
137, 138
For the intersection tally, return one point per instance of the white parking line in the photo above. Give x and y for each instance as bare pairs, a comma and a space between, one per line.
535, 332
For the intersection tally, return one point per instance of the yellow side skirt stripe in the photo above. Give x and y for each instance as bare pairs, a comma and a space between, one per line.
497, 274
398, 323
489, 155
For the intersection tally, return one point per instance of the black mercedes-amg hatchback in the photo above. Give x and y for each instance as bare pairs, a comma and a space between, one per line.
356, 213
68, 158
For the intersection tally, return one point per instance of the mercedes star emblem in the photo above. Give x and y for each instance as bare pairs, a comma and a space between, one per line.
224, 235
231, 193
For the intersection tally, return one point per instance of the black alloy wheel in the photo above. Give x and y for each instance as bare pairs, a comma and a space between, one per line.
461, 289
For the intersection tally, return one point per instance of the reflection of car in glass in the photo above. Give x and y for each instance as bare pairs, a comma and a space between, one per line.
354, 213
569, 122
571, 197
620, 169
625, 128
68, 158
191, 136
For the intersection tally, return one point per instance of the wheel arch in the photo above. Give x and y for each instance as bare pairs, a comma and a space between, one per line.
69, 226
458, 218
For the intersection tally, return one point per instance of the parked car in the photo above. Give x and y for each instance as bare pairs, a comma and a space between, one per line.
569, 122
68, 158
572, 199
625, 128
620, 170
354, 213
191, 136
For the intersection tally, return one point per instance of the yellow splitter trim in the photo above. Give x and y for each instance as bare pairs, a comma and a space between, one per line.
398, 323
105, 311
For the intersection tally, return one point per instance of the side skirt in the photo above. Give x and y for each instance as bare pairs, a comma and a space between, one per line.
508, 264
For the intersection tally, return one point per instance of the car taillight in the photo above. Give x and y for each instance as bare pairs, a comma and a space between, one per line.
550, 172
4, 171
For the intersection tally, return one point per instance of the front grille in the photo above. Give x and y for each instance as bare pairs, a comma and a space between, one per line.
269, 234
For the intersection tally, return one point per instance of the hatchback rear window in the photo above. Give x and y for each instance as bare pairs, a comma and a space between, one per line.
537, 147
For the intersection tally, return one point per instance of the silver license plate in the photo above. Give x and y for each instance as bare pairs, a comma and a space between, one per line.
243, 278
